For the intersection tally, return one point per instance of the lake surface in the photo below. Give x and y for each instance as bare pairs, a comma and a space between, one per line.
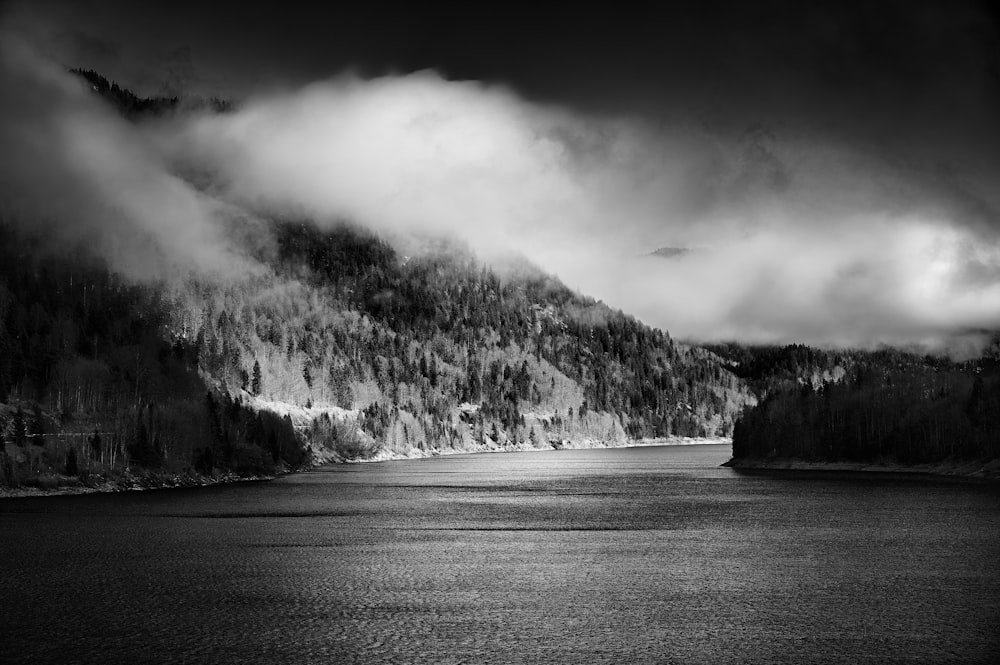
641, 555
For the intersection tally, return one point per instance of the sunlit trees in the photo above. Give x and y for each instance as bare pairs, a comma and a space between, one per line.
338, 320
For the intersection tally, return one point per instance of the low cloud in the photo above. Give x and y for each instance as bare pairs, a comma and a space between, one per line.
802, 236
74, 172
803, 239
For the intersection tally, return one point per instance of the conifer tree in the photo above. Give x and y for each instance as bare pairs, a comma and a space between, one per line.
20, 428
72, 467
255, 382
95, 445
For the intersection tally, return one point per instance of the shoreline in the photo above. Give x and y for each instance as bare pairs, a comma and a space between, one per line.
989, 471
144, 483
586, 444
130, 484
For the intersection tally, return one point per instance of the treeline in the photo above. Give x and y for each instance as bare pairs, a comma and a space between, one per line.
127, 102
133, 107
891, 406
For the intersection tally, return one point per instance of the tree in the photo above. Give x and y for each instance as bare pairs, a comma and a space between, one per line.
36, 426
205, 461
255, 382
7, 465
72, 467
20, 428
143, 451
95, 444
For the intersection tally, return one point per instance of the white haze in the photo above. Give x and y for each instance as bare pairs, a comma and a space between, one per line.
79, 175
800, 238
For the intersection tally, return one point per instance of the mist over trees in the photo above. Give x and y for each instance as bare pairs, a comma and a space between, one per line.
341, 344
373, 349
338, 345
90, 384
408, 340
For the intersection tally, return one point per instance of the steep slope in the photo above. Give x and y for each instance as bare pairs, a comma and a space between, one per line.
437, 350
337, 345
355, 347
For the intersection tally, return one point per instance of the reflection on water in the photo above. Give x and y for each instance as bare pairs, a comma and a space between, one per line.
631, 555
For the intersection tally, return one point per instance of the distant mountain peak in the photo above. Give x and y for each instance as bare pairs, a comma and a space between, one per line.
133, 106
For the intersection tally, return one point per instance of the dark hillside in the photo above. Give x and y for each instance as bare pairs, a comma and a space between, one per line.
890, 407
87, 372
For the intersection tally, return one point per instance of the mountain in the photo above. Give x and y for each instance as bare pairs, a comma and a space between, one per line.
438, 350
338, 346
345, 344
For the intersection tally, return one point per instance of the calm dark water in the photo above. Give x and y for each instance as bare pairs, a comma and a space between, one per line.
644, 555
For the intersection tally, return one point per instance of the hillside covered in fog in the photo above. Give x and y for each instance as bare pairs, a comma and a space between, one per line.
344, 347
336, 344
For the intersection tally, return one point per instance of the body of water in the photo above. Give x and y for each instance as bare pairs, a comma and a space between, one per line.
642, 555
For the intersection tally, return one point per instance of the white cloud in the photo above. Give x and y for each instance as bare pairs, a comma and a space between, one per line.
802, 238
71, 170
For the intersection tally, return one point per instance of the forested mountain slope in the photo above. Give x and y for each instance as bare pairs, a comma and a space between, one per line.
348, 339
436, 349
337, 344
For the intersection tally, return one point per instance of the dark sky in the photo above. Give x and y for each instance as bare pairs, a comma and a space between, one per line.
836, 164
763, 54
891, 74
883, 72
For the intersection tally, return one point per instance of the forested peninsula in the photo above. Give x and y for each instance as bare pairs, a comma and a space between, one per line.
873, 411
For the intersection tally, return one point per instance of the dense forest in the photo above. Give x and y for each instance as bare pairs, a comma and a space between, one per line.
340, 346
877, 407
436, 350
345, 346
